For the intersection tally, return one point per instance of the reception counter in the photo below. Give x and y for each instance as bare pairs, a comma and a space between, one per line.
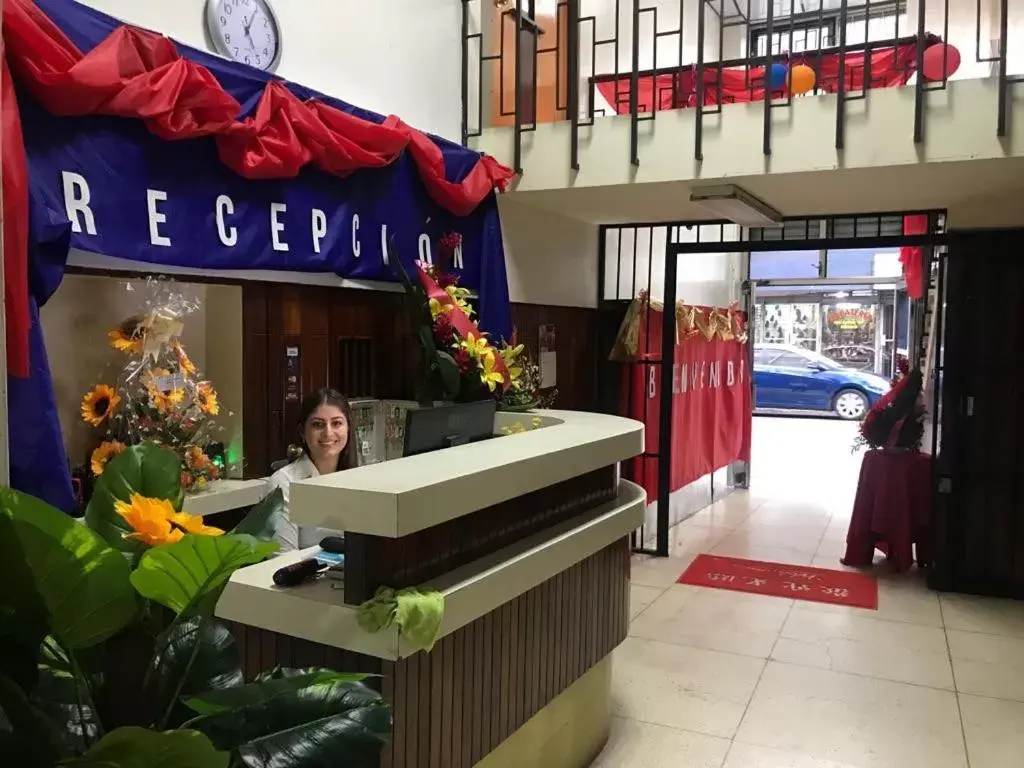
526, 536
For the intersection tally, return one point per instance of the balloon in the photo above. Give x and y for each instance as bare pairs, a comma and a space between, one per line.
801, 79
777, 79
938, 55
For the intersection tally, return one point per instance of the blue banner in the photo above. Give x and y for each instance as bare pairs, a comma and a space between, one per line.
131, 195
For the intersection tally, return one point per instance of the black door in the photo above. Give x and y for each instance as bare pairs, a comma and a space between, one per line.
979, 509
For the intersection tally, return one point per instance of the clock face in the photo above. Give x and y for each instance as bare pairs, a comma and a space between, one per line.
245, 31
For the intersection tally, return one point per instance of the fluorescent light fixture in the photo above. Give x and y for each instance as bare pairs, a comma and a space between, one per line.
738, 206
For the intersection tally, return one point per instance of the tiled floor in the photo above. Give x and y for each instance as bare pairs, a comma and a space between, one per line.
716, 679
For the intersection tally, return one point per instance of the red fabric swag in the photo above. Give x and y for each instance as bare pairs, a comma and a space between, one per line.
135, 73
912, 257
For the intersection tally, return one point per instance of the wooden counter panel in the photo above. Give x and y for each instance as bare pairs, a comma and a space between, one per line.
480, 684
375, 561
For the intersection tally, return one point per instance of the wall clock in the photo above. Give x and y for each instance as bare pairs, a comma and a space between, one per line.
245, 31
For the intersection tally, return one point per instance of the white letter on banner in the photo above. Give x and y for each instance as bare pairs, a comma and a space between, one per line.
650, 383
319, 228
355, 230
424, 248
457, 258
384, 243
228, 235
76, 201
276, 227
730, 373
716, 374
154, 196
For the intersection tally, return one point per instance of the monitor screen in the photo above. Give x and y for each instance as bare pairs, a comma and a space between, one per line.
444, 426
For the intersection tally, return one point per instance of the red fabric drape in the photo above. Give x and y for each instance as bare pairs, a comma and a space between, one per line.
912, 257
889, 67
135, 73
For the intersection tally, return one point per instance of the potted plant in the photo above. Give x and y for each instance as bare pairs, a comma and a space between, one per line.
111, 656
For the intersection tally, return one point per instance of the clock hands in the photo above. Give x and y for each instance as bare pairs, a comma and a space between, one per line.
248, 26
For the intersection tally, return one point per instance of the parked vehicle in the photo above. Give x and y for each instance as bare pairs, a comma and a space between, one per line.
791, 378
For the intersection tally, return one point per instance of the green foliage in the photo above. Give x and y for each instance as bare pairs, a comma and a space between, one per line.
263, 519
189, 575
133, 747
148, 469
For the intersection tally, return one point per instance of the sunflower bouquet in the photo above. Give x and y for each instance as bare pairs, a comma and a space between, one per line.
159, 396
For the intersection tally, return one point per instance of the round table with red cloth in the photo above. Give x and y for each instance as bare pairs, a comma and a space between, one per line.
892, 510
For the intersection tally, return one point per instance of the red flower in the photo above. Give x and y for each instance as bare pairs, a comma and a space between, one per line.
447, 279
449, 243
463, 360
443, 329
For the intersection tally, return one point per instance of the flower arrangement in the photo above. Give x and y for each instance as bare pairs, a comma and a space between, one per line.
460, 362
896, 419
158, 395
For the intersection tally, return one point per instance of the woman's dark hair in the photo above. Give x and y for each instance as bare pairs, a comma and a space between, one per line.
349, 456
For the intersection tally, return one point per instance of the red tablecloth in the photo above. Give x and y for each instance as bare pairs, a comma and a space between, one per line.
892, 511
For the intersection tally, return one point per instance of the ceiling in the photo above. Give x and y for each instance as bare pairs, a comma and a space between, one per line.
972, 184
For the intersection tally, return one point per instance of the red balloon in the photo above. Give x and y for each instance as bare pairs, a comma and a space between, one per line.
938, 55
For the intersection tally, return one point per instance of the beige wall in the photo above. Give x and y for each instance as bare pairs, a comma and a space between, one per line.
550, 259
75, 323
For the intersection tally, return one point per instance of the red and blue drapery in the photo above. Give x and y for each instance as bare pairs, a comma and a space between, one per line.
199, 126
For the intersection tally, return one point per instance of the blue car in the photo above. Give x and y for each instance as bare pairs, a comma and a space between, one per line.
791, 378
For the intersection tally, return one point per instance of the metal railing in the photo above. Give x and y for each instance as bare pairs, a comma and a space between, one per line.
507, 43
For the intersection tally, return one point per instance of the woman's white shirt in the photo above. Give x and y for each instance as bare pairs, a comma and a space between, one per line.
289, 535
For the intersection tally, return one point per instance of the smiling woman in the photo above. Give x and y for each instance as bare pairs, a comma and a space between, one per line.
324, 419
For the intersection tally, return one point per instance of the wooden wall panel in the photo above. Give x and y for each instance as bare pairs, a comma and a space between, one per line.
480, 684
314, 318
578, 354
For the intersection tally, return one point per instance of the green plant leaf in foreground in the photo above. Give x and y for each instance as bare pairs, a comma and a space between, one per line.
279, 681
263, 519
191, 573
133, 747
148, 469
315, 719
82, 582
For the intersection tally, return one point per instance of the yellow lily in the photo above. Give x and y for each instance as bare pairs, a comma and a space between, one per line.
488, 375
475, 346
437, 308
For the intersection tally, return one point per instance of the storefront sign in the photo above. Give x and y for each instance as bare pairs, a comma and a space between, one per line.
711, 405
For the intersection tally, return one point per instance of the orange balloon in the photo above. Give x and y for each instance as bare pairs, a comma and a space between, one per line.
801, 78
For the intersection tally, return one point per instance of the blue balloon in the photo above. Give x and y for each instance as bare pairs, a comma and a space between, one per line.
777, 80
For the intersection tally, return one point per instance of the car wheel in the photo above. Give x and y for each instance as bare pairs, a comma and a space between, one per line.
851, 405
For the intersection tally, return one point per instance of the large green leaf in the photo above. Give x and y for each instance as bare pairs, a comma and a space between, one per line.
190, 574
148, 469
263, 519
448, 369
67, 702
133, 747
23, 619
82, 582
280, 681
25, 736
193, 655
326, 723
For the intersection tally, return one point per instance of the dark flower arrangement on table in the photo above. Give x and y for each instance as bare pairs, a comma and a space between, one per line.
897, 419
458, 361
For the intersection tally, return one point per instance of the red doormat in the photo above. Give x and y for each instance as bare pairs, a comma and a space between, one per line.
801, 582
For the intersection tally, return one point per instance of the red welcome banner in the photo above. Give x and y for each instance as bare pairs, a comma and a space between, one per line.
711, 398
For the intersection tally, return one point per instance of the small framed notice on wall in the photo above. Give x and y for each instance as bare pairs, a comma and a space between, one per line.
292, 375
548, 358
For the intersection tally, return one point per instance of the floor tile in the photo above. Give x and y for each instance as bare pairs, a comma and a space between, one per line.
633, 744
909, 602
994, 730
858, 720
640, 597
694, 538
752, 756
650, 571
688, 688
737, 547
983, 614
988, 665
845, 642
798, 537
715, 619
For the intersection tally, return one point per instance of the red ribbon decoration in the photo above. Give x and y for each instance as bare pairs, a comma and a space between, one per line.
460, 321
140, 74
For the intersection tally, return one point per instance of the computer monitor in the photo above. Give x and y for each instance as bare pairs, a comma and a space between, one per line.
444, 426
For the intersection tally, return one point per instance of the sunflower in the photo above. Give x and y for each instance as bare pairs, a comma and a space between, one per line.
98, 404
184, 361
164, 401
206, 397
103, 453
127, 337
150, 520
154, 521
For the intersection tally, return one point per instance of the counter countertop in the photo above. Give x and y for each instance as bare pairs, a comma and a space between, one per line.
225, 494
402, 496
